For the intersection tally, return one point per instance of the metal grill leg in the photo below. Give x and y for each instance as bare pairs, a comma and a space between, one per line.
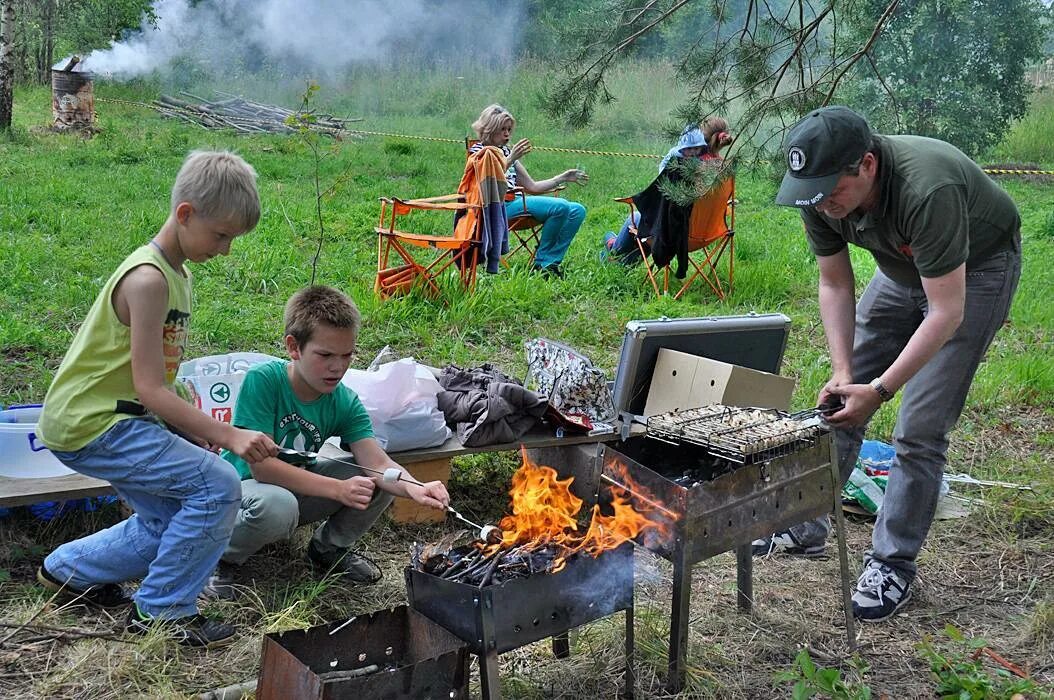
631, 678
562, 645
682, 592
843, 555
490, 676
745, 577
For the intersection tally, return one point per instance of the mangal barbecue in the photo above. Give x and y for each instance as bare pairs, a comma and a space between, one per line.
685, 484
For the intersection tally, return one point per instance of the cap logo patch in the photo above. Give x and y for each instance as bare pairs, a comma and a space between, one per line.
795, 159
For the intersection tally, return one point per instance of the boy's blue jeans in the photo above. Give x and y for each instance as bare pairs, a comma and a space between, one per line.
560, 219
185, 500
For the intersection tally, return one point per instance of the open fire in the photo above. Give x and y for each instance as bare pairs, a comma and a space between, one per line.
543, 532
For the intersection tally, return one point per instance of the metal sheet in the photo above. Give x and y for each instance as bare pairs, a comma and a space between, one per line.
755, 341
417, 658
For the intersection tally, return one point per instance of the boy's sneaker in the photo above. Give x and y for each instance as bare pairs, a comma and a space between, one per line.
608, 243
222, 584
784, 542
195, 631
880, 592
103, 595
348, 564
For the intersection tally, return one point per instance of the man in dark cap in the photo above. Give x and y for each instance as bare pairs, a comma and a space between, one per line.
946, 240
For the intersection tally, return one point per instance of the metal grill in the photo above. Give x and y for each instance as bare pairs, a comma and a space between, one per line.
742, 435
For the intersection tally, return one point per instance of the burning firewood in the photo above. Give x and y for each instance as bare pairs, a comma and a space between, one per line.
542, 533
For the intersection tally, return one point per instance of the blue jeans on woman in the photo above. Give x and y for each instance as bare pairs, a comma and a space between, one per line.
625, 249
185, 500
560, 219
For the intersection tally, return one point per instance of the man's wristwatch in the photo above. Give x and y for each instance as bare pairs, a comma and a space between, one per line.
883, 393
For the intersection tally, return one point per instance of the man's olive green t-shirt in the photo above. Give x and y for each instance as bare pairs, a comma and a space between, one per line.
936, 210
266, 402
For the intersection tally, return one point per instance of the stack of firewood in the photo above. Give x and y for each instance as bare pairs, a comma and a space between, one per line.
245, 116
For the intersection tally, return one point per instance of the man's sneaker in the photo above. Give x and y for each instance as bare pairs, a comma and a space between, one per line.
880, 592
103, 595
351, 565
784, 542
191, 631
222, 584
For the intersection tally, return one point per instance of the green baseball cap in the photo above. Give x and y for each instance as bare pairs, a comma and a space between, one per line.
818, 149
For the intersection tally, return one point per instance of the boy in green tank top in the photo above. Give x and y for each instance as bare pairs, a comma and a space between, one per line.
302, 403
102, 417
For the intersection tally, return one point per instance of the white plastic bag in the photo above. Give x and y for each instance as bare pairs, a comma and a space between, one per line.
400, 397
213, 382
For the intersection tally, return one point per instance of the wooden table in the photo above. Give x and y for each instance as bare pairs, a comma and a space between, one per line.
426, 464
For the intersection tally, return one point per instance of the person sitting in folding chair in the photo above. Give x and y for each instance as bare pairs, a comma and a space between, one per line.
704, 143
560, 218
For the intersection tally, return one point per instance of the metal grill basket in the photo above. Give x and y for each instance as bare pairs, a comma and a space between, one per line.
743, 435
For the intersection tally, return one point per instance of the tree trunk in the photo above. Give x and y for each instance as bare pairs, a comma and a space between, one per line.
46, 52
7, 68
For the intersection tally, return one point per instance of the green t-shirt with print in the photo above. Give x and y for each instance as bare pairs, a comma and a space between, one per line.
937, 210
266, 402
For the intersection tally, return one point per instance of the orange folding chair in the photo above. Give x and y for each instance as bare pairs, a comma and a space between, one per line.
478, 207
525, 232
711, 239
459, 249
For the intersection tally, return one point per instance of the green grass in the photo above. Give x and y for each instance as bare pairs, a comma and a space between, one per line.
72, 209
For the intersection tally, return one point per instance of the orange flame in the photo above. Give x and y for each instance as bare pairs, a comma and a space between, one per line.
545, 513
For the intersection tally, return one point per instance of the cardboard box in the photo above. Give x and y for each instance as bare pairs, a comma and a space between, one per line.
683, 381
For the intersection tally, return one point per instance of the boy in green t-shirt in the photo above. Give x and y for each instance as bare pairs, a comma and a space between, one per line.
100, 418
301, 403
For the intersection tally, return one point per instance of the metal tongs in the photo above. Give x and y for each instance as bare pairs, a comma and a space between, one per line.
487, 533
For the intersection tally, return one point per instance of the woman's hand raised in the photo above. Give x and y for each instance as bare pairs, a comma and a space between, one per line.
522, 148
574, 175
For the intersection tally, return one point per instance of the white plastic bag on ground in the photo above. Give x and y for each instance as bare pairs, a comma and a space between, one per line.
400, 397
213, 382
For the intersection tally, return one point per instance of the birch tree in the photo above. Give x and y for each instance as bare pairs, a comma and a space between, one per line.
7, 68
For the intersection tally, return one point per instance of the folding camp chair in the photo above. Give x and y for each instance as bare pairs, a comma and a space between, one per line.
711, 231
525, 232
459, 249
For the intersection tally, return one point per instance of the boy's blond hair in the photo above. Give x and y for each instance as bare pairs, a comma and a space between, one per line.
220, 185
490, 120
313, 306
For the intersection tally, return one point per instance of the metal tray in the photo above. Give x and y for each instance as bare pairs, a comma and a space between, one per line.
755, 341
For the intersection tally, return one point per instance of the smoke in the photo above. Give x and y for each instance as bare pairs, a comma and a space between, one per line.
311, 37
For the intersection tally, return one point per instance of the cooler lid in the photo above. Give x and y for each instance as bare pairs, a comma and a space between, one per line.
756, 341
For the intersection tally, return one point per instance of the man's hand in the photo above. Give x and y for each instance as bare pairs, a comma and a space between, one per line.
251, 445
355, 492
432, 494
829, 392
861, 401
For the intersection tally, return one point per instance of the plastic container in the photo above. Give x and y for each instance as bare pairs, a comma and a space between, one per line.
22, 455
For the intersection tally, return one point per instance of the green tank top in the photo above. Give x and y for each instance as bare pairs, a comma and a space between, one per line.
93, 387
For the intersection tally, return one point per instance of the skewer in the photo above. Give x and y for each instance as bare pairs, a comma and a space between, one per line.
647, 500
489, 533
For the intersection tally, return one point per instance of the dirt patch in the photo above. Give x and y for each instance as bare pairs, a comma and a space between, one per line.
987, 576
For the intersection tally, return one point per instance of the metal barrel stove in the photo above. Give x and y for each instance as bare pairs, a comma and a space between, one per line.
72, 98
